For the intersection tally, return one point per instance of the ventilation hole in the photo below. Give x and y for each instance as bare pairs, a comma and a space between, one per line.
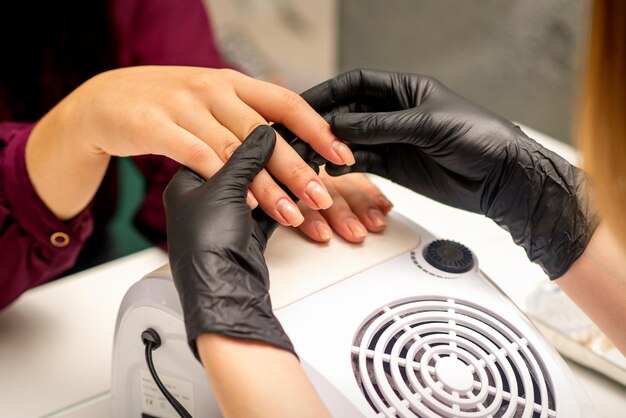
455, 356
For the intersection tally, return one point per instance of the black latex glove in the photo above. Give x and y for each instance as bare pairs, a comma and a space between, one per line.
216, 248
416, 132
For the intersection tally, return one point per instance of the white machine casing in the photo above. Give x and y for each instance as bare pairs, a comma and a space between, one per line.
400, 339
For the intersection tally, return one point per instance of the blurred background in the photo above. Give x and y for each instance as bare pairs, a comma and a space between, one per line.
520, 59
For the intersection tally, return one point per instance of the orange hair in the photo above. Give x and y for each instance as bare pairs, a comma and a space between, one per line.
603, 113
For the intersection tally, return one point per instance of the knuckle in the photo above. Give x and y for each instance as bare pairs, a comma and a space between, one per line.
196, 153
253, 127
324, 130
203, 82
229, 149
229, 74
180, 99
299, 171
148, 121
293, 101
147, 114
271, 191
200, 81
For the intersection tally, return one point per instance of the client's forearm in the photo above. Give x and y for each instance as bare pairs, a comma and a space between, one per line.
597, 283
254, 379
65, 174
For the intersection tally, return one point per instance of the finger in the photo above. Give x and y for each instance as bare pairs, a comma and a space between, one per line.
183, 181
288, 168
192, 151
274, 201
201, 123
189, 150
342, 219
283, 131
250, 158
361, 195
308, 154
381, 89
340, 90
266, 225
222, 141
381, 127
288, 108
365, 184
314, 226
285, 165
368, 160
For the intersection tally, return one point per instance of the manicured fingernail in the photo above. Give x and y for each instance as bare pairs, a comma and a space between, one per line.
290, 212
384, 203
356, 227
252, 202
343, 152
318, 194
323, 230
377, 217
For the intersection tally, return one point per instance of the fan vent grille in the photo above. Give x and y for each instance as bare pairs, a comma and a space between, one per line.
433, 357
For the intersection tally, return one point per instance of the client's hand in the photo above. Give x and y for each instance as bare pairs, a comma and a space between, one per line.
358, 207
216, 248
196, 116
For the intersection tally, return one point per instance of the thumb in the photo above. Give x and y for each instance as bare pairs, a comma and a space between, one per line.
184, 181
379, 127
250, 158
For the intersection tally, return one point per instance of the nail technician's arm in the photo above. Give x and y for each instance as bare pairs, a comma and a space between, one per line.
216, 249
270, 380
196, 116
597, 283
416, 132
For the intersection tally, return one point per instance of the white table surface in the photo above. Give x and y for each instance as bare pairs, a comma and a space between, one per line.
56, 340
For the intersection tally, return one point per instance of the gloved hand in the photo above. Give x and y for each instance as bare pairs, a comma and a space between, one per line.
416, 132
216, 248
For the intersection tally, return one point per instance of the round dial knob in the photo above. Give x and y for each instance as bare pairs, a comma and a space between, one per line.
449, 256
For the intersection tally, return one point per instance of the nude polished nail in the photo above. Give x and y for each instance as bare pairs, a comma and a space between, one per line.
289, 212
251, 200
323, 230
377, 217
343, 152
357, 228
318, 194
384, 203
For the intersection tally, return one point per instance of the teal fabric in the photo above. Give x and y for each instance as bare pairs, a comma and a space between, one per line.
126, 238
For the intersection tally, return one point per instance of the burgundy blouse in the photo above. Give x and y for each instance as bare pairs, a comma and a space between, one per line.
34, 245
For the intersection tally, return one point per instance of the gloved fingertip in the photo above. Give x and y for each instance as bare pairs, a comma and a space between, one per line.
337, 170
184, 180
346, 125
250, 158
263, 139
284, 132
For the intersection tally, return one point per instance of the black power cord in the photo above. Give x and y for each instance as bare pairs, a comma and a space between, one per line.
152, 341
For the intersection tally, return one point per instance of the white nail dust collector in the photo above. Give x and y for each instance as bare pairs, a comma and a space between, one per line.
418, 331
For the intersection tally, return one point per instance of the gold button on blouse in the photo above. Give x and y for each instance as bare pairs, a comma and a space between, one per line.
60, 239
